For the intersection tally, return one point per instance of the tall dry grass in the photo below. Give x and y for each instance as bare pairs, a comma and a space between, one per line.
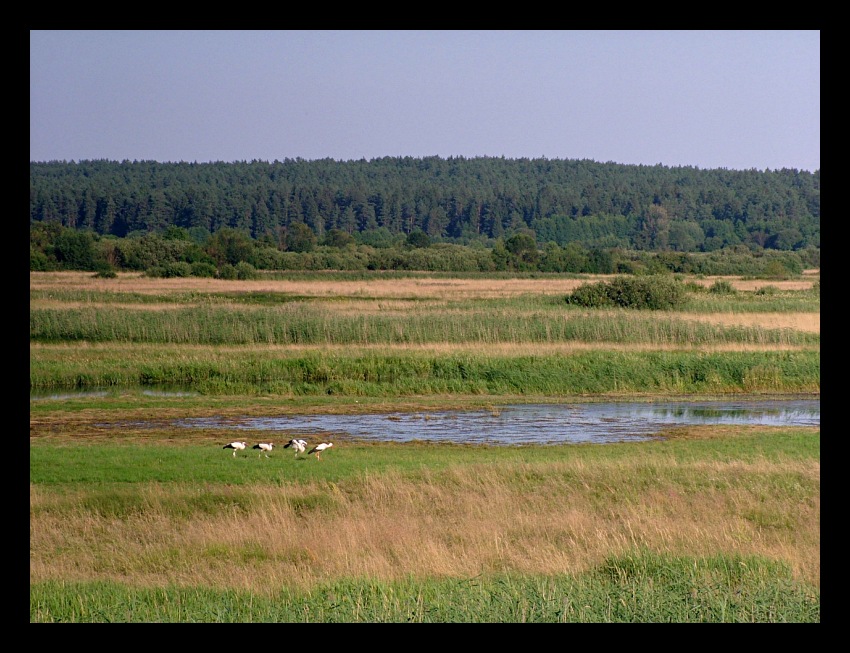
561, 518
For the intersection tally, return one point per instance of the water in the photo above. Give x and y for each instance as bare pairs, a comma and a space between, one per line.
531, 424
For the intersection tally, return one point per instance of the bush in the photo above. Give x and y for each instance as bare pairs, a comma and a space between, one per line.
104, 271
203, 269
776, 270
75, 250
721, 287
227, 271
658, 292
170, 270
767, 290
418, 238
245, 270
39, 262
591, 295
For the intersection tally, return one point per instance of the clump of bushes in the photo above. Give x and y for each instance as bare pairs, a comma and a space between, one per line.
242, 271
203, 269
170, 270
721, 287
654, 292
591, 295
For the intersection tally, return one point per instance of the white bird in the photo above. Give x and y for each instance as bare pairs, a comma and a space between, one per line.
236, 446
319, 448
300, 446
264, 447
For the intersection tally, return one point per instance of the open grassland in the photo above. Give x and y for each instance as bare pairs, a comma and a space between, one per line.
382, 284
405, 337
134, 520
708, 525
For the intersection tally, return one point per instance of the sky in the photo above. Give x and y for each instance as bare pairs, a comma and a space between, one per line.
735, 99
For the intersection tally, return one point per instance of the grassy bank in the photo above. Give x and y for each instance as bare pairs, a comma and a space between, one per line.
374, 372
711, 524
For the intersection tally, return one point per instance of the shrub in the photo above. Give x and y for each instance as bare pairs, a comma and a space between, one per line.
169, 270
657, 292
693, 286
418, 238
775, 270
75, 250
227, 271
245, 270
338, 238
39, 262
104, 271
767, 290
591, 295
203, 269
721, 287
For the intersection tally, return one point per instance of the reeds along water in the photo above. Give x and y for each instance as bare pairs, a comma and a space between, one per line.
353, 371
210, 326
363, 345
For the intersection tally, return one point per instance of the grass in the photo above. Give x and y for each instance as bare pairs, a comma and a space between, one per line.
185, 518
417, 372
132, 520
719, 589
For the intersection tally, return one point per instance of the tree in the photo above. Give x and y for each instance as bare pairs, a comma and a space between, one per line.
523, 250
418, 239
338, 238
75, 250
229, 245
300, 238
552, 259
685, 236
574, 258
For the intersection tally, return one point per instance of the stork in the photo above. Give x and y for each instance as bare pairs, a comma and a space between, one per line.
300, 446
319, 448
236, 446
264, 447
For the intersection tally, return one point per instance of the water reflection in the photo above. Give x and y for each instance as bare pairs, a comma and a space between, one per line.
533, 424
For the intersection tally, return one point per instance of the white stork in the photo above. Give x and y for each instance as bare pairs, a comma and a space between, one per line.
264, 447
319, 448
300, 446
236, 446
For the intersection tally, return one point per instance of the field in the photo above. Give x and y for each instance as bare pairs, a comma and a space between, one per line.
133, 521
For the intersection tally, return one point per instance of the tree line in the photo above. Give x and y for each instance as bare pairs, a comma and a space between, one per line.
231, 253
463, 201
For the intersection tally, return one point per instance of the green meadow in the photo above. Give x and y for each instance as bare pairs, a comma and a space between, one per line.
133, 520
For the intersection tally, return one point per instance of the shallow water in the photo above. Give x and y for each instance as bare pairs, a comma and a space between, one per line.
533, 424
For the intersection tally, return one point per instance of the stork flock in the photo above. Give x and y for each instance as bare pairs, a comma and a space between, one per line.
264, 448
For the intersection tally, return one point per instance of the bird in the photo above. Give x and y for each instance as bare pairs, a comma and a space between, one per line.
264, 447
300, 446
319, 448
236, 446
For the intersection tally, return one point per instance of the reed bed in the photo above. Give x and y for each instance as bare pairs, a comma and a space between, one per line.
372, 372
296, 324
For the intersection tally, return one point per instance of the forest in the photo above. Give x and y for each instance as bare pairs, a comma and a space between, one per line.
454, 214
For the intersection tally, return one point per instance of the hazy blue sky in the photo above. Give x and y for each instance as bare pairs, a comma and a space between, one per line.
735, 99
